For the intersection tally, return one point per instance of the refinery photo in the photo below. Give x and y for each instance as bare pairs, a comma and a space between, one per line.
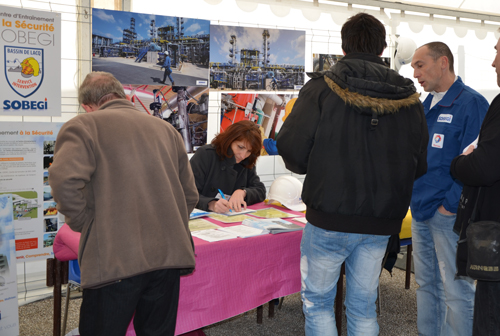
151, 49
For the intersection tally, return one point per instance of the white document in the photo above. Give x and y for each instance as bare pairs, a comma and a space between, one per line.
213, 235
472, 143
244, 231
301, 219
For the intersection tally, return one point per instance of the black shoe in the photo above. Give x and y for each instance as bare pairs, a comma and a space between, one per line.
173, 83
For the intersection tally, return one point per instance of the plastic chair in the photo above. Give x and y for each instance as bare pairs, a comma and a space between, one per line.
73, 283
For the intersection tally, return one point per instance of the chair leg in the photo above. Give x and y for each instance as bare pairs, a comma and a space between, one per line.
409, 249
65, 320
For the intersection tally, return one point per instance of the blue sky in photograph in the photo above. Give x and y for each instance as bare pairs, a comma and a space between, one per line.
110, 23
286, 46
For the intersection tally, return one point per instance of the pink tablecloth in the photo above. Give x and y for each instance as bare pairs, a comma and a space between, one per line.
231, 276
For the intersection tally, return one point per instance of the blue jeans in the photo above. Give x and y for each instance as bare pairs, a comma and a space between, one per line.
322, 255
168, 72
445, 305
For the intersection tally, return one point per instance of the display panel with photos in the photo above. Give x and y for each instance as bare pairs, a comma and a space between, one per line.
256, 58
268, 110
185, 108
134, 48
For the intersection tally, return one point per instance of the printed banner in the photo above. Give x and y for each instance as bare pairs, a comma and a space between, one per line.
26, 153
9, 316
151, 49
256, 58
30, 54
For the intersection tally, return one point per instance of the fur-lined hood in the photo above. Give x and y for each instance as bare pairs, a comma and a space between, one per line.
362, 80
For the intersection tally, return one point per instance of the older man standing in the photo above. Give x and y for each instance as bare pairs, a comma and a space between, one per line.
454, 113
130, 198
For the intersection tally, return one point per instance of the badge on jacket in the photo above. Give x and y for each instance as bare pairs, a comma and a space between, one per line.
447, 118
438, 140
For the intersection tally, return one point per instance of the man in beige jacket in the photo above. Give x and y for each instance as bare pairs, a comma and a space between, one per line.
122, 178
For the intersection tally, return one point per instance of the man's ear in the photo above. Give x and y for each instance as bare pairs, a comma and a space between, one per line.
444, 62
88, 108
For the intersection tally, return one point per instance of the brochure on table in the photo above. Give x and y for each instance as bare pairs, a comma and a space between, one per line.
273, 225
26, 153
272, 213
213, 235
199, 224
244, 231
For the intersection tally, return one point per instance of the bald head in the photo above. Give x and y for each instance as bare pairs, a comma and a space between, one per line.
98, 88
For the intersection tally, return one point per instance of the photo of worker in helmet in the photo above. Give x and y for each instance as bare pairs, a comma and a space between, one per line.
227, 165
168, 70
141, 49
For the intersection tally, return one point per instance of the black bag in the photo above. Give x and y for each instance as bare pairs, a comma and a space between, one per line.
168, 71
483, 241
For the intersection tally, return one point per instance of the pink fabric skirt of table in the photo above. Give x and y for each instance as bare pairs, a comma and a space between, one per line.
231, 276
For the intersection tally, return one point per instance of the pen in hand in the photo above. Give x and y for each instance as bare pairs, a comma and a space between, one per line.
223, 197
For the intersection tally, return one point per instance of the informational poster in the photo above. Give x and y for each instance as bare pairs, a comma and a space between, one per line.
268, 110
9, 317
151, 49
185, 108
30, 54
26, 153
256, 58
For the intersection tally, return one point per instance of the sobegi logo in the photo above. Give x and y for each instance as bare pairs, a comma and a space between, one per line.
447, 118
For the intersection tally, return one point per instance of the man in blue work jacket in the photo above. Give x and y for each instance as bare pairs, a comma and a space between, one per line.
454, 113
168, 70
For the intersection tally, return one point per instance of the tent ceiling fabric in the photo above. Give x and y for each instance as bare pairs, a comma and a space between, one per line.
481, 19
473, 9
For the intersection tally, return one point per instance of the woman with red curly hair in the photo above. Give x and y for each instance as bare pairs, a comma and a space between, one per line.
228, 164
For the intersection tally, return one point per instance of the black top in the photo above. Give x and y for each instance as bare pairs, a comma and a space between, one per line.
359, 132
481, 168
212, 173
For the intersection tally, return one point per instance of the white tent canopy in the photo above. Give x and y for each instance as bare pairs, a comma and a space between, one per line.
488, 10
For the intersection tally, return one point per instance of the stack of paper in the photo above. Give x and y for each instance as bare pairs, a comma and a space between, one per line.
275, 225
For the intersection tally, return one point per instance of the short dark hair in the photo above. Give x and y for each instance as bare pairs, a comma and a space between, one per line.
244, 130
99, 87
363, 33
440, 49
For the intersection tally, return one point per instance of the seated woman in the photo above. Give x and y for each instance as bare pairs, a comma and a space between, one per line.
228, 164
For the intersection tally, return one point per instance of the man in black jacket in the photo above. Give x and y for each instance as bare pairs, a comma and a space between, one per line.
359, 132
480, 168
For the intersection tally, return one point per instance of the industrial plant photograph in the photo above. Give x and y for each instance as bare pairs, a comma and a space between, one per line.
151, 49
262, 59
